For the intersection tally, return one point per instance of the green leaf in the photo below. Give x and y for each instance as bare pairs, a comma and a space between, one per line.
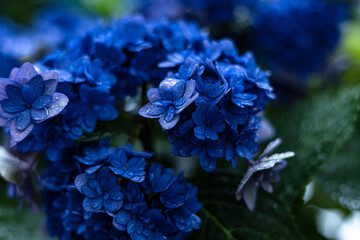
21, 224
340, 176
314, 129
225, 218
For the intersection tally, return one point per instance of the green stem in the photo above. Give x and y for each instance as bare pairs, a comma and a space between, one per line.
218, 223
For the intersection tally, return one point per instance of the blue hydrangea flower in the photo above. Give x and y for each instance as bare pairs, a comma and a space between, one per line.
159, 178
101, 191
85, 110
47, 136
167, 101
209, 121
96, 157
129, 164
28, 98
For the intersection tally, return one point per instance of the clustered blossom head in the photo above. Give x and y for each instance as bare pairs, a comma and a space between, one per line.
109, 202
98, 70
210, 104
296, 36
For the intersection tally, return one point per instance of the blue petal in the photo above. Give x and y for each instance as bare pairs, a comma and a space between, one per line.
76, 132
27, 94
199, 132
37, 86
23, 120
211, 134
42, 101
178, 90
121, 220
14, 92
112, 205
169, 114
90, 119
106, 112
92, 204
207, 163
53, 153
12, 105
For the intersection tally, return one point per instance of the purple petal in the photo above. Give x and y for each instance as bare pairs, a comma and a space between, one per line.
190, 88
4, 82
5, 122
50, 75
50, 86
153, 95
249, 194
151, 111
39, 115
17, 136
80, 181
24, 73
171, 124
266, 186
13, 73
58, 103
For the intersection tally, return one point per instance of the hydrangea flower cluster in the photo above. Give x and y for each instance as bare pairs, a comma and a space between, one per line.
208, 99
210, 105
103, 67
108, 193
296, 36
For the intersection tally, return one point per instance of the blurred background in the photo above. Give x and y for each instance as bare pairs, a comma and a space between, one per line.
308, 45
